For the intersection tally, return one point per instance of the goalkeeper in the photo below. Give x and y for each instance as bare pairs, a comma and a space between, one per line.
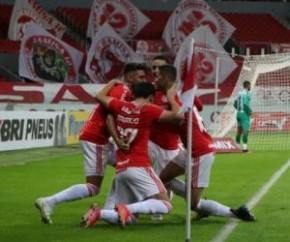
242, 104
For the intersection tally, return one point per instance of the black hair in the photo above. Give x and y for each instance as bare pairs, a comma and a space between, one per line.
246, 84
143, 90
161, 57
168, 70
132, 66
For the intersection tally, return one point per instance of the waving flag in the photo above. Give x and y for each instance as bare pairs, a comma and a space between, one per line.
26, 12
190, 15
186, 72
107, 55
45, 58
207, 52
122, 15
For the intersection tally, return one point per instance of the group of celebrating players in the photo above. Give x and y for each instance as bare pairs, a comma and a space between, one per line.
137, 125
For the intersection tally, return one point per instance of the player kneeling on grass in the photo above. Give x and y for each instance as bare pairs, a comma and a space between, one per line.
203, 155
138, 190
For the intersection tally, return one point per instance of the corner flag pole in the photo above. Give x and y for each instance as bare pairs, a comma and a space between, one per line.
188, 177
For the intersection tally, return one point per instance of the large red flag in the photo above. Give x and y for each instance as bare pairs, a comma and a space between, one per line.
186, 71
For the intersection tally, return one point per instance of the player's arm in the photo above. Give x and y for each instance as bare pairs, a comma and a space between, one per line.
171, 117
111, 125
102, 97
170, 94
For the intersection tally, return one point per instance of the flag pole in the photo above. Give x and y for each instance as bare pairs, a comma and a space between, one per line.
188, 177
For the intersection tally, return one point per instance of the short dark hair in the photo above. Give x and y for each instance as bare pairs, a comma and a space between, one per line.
132, 66
246, 84
143, 90
168, 70
161, 57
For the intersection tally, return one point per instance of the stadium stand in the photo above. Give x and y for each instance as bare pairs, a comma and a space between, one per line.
253, 30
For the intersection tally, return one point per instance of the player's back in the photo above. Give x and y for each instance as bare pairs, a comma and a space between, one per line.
95, 129
133, 125
202, 142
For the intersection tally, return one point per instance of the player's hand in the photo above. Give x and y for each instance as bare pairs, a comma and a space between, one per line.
170, 92
122, 145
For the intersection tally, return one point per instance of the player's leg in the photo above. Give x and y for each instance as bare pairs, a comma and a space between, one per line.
245, 127
150, 193
239, 130
200, 180
94, 157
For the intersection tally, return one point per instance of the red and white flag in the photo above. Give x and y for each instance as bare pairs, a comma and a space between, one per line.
107, 55
122, 15
186, 72
188, 16
28, 11
45, 58
208, 52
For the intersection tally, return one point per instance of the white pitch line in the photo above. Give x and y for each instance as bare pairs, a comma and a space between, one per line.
232, 224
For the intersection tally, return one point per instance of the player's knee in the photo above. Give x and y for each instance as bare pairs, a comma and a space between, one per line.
168, 206
93, 189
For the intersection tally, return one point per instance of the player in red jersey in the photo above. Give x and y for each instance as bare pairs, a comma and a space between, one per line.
164, 137
136, 183
94, 141
203, 155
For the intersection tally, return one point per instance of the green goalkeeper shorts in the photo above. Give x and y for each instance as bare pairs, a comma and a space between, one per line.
243, 121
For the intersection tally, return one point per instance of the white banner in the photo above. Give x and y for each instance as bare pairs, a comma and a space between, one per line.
28, 11
190, 15
122, 15
21, 130
43, 57
107, 55
47, 93
205, 41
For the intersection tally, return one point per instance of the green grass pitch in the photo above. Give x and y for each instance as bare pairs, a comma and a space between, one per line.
235, 179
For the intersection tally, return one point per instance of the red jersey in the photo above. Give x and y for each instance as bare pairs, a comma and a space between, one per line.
202, 142
133, 125
95, 129
164, 134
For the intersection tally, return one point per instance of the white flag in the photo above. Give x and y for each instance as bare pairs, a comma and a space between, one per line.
185, 63
122, 15
43, 57
107, 55
207, 50
28, 11
190, 15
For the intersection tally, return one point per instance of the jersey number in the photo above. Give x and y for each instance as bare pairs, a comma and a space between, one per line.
127, 134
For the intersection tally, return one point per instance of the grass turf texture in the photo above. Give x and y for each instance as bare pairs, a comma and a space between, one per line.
235, 179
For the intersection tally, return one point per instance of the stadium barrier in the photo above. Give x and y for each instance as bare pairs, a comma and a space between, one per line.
25, 129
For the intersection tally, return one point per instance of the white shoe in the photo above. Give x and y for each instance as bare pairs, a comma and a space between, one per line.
44, 209
156, 217
170, 195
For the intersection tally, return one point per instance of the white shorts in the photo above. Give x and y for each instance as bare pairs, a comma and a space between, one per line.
160, 157
133, 185
201, 167
96, 157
